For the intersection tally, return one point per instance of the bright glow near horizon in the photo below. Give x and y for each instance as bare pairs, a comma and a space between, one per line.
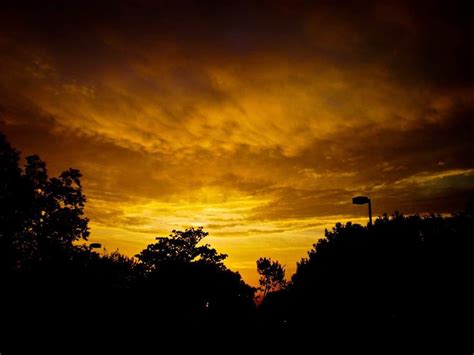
258, 122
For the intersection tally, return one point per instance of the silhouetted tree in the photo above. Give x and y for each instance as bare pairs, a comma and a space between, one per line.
12, 209
41, 216
180, 247
408, 278
189, 278
178, 280
272, 275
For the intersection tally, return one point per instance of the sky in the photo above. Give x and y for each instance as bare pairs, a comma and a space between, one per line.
258, 120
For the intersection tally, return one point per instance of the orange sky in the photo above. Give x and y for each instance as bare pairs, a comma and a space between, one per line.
257, 120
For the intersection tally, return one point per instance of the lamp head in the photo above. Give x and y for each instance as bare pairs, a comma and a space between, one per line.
360, 200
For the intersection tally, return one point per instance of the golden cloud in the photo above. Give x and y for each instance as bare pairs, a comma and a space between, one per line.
259, 122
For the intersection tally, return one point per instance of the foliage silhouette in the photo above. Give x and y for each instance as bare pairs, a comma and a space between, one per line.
191, 280
272, 275
181, 247
406, 280
52, 282
41, 217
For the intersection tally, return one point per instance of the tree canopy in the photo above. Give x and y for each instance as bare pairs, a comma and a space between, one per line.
181, 247
39, 215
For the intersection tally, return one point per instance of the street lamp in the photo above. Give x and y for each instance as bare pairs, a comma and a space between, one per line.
362, 200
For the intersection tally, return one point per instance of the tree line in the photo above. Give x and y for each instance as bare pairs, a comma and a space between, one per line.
404, 278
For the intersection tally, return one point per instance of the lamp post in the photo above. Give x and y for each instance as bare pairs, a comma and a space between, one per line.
362, 200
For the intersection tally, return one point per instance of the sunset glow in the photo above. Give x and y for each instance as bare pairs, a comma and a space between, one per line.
257, 122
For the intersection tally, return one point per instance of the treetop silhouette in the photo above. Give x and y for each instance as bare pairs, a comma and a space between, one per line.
272, 275
181, 247
39, 215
